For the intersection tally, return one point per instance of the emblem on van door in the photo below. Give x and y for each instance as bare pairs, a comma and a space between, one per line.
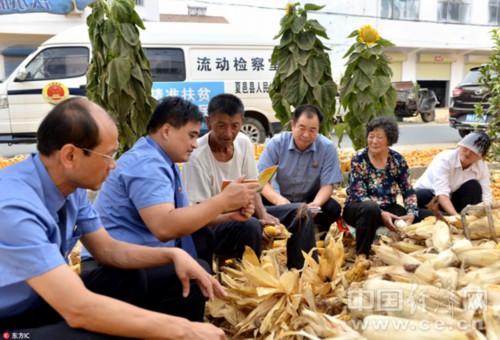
54, 92
479, 91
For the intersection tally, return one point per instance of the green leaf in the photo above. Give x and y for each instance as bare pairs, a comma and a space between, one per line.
380, 85
287, 38
375, 50
353, 34
313, 71
364, 99
295, 89
385, 43
313, 7
306, 40
129, 33
136, 20
368, 66
339, 130
287, 65
301, 56
349, 51
298, 24
362, 80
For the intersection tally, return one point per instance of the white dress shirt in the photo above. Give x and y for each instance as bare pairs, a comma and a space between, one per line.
445, 175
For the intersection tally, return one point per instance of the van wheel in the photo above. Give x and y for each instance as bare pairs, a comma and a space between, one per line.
463, 133
429, 116
254, 130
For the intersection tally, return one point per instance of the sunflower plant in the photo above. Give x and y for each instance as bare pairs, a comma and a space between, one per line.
366, 90
303, 74
119, 78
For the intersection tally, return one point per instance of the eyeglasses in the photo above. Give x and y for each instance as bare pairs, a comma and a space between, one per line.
111, 158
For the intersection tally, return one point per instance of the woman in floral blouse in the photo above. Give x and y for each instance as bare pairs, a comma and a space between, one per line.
378, 174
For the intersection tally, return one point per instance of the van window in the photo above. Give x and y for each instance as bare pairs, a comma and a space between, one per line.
167, 64
58, 63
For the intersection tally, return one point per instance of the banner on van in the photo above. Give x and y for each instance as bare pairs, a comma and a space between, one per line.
42, 6
198, 93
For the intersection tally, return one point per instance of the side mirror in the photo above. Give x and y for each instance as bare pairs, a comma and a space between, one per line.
22, 74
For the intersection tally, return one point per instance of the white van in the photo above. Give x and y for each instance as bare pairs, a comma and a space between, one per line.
193, 61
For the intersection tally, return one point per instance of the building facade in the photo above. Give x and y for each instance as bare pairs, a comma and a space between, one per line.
437, 41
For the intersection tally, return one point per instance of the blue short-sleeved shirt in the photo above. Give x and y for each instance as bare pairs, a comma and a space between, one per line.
143, 177
32, 241
300, 174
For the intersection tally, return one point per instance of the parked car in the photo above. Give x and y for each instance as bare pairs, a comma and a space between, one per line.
464, 98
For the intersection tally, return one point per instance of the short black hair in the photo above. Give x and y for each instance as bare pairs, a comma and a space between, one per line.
69, 122
309, 110
174, 111
386, 123
226, 103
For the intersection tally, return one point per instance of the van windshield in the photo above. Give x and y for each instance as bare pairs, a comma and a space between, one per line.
58, 63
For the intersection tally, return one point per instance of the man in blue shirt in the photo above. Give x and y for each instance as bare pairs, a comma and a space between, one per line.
143, 200
308, 167
44, 210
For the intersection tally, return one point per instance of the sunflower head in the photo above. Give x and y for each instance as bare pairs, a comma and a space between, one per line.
368, 35
289, 8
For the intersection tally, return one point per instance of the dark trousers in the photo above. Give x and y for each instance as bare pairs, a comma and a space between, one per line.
230, 238
470, 192
157, 289
330, 212
366, 218
299, 222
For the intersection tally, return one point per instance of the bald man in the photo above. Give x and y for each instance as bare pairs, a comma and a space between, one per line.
44, 210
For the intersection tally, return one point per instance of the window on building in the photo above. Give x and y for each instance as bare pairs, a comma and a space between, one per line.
456, 11
166, 64
400, 9
139, 2
494, 12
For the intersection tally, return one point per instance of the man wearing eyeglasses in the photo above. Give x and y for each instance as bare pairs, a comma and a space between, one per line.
44, 210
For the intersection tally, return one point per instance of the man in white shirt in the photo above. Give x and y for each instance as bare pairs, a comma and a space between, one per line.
457, 177
226, 154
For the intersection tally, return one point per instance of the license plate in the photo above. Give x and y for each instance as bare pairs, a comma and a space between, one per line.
472, 118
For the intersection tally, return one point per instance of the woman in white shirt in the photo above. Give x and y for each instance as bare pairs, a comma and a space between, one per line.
457, 177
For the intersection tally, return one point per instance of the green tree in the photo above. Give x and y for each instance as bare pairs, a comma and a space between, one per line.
491, 83
304, 70
366, 90
119, 78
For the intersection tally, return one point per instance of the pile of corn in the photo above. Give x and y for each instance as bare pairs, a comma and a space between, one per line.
495, 185
430, 283
5, 162
257, 150
414, 158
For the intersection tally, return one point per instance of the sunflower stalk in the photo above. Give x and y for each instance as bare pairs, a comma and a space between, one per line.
366, 90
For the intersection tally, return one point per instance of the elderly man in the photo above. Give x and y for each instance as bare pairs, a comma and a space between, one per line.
44, 211
226, 154
308, 167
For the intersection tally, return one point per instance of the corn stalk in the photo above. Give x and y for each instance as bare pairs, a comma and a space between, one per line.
119, 78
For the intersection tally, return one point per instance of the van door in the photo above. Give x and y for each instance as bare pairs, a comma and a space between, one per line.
53, 74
